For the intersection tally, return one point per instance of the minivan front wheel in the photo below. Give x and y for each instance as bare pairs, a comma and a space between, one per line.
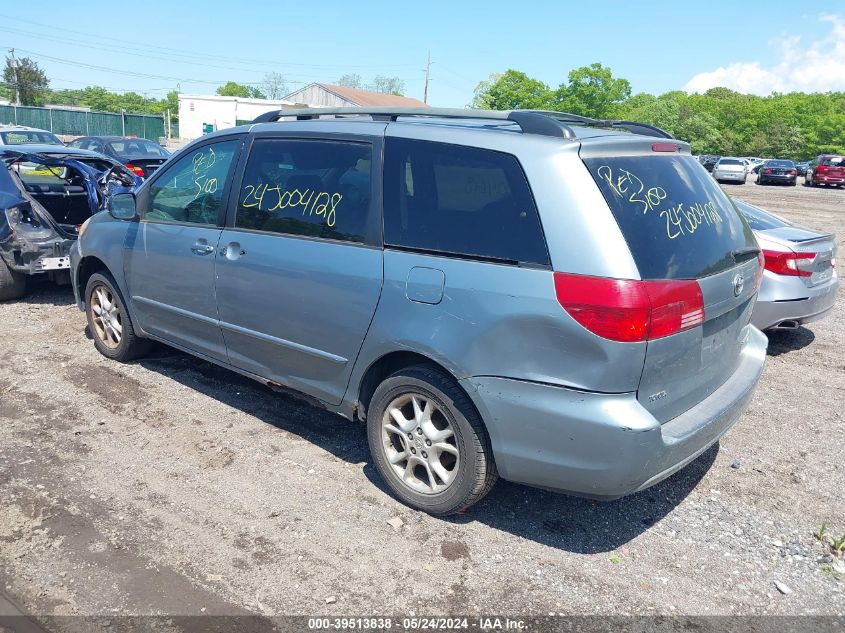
108, 320
428, 442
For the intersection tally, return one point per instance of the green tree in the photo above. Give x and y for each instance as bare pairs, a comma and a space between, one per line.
275, 86
479, 95
234, 89
388, 85
513, 90
352, 80
98, 98
592, 91
30, 81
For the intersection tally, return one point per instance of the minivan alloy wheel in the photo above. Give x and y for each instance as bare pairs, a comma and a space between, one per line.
108, 322
419, 443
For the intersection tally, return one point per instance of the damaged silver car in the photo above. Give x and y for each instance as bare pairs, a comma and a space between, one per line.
46, 193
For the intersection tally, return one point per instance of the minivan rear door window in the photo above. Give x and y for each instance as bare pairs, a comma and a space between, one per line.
461, 201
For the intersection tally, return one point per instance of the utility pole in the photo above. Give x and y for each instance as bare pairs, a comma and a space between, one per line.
15, 70
427, 75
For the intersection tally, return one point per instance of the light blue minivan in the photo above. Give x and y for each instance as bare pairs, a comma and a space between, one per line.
559, 301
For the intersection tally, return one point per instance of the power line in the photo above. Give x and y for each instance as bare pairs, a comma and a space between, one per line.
129, 73
147, 54
133, 73
146, 47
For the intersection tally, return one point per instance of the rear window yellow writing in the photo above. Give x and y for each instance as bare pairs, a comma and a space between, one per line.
681, 219
271, 198
685, 219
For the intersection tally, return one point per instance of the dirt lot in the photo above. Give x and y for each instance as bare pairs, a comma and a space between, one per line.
171, 486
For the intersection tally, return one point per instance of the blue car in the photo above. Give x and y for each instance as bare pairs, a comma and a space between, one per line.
46, 193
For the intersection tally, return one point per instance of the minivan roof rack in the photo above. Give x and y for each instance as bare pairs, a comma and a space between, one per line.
542, 122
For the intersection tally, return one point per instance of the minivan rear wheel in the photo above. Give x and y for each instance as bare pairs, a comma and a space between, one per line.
109, 322
428, 442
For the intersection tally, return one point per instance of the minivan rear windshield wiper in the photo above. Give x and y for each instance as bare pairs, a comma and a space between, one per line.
740, 254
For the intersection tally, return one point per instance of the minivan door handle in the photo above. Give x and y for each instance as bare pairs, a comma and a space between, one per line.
202, 247
232, 251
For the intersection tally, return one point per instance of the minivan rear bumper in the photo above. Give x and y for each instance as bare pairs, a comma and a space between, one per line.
604, 446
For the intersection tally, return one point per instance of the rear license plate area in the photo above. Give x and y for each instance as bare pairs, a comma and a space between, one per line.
54, 263
720, 337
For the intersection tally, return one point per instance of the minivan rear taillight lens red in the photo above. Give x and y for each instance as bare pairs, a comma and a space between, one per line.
788, 263
629, 310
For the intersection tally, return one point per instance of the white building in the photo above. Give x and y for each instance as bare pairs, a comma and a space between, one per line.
197, 111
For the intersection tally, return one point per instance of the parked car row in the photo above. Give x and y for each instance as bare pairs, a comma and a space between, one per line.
827, 170
412, 270
139, 155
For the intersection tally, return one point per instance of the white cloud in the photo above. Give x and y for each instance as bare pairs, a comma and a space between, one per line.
816, 67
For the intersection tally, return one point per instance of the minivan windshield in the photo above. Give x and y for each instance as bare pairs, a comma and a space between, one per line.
676, 220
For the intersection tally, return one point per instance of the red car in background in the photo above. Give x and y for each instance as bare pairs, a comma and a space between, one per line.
828, 169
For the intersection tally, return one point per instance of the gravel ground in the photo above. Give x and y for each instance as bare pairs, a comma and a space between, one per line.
171, 486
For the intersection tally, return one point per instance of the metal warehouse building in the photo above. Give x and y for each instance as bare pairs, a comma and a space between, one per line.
319, 95
199, 114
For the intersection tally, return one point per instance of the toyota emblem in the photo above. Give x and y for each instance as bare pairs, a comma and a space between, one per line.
739, 284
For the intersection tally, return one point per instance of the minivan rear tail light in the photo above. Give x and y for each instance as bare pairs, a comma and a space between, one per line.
665, 147
788, 263
629, 310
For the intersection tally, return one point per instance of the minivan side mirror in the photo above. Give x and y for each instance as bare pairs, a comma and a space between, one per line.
122, 206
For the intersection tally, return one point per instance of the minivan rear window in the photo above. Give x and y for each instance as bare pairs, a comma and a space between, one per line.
833, 161
676, 220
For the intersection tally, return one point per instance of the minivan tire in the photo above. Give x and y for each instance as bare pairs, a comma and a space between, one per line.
101, 291
12, 283
475, 470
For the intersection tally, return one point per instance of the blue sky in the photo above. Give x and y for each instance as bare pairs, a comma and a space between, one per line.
657, 46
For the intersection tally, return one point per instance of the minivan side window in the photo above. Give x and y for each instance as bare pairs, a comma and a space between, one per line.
459, 200
315, 188
190, 191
